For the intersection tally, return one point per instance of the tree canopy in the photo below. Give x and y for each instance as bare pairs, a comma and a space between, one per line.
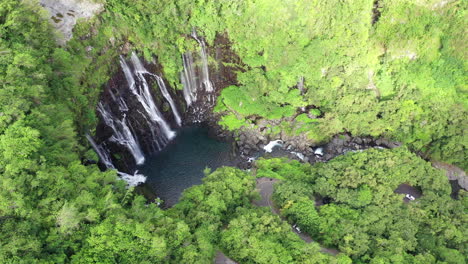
387, 68
350, 203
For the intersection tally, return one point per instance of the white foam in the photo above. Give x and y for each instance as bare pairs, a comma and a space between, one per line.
299, 155
318, 151
132, 180
272, 144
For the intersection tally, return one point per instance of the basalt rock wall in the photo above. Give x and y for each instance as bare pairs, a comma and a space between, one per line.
122, 97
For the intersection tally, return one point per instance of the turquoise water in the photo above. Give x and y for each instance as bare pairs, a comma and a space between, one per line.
181, 164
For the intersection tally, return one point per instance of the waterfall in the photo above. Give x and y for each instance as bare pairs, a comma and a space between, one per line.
120, 101
143, 94
188, 79
134, 104
146, 99
132, 180
192, 83
205, 73
165, 93
103, 155
122, 133
158, 143
128, 73
122, 105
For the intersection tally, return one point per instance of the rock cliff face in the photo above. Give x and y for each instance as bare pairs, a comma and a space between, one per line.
220, 76
118, 100
195, 104
125, 108
65, 13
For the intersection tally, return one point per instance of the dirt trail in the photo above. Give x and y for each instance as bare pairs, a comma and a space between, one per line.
223, 259
265, 187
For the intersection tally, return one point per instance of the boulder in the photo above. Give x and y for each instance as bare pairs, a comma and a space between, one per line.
453, 173
65, 13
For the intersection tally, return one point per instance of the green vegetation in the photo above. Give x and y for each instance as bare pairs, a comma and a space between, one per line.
402, 77
187, 233
365, 218
257, 236
48, 199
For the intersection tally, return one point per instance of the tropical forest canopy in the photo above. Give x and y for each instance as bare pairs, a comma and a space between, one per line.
387, 68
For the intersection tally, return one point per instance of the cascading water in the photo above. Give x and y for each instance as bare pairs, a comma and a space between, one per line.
195, 77
165, 93
156, 141
145, 97
122, 133
132, 104
103, 154
143, 94
205, 73
132, 180
119, 101
189, 80
119, 117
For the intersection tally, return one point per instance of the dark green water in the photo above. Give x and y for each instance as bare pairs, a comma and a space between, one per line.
181, 164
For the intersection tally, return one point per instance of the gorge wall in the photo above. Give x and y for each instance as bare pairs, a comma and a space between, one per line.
139, 111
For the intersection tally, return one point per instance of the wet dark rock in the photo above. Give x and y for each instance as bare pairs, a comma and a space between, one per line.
244, 165
358, 140
341, 144
387, 143
455, 189
87, 162
200, 112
